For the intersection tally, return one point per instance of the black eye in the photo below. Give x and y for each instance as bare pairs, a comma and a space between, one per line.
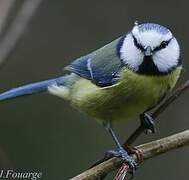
164, 44
139, 46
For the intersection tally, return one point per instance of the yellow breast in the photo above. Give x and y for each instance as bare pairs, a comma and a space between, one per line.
132, 95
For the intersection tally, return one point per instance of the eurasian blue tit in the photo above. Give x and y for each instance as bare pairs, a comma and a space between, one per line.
119, 81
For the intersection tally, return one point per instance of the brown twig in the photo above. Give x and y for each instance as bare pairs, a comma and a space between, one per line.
5, 9
158, 111
141, 129
145, 151
17, 28
155, 114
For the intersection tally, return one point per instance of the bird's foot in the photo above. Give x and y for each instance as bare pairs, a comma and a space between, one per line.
123, 154
148, 123
131, 150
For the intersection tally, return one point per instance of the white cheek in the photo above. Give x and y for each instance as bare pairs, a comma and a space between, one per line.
167, 58
130, 54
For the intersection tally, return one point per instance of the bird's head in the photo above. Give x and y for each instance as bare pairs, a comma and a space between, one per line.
150, 49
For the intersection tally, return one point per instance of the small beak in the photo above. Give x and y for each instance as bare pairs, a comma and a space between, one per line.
148, 51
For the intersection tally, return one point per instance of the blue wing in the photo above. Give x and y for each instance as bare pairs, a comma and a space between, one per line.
102, 67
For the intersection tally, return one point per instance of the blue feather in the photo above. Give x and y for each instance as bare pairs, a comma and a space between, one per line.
153, 26
79, 67
97, 75
102, 67
31, 88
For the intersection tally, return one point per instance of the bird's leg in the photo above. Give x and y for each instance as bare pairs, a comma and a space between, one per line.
147, 122
119, 151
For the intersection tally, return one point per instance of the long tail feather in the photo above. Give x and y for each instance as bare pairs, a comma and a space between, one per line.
33, 88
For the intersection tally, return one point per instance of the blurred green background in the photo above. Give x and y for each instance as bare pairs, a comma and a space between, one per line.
42, 132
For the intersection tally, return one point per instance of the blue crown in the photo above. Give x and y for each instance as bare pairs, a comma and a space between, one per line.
153, 26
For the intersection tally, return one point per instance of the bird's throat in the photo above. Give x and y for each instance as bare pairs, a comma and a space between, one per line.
148, 67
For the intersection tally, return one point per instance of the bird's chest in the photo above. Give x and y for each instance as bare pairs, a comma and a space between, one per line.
130, 97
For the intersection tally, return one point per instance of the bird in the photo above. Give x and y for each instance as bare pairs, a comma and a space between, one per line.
124, 79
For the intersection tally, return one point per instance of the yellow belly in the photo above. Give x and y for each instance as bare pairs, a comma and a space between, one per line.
132, 95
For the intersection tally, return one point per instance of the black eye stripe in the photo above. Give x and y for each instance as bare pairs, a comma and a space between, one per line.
163, 45
139, 46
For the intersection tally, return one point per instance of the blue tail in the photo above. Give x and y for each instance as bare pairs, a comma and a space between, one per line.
31, 88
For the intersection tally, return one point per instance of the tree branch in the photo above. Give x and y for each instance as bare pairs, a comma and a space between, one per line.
101, 168
158, 111
5, 9
144, 152
17, 28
